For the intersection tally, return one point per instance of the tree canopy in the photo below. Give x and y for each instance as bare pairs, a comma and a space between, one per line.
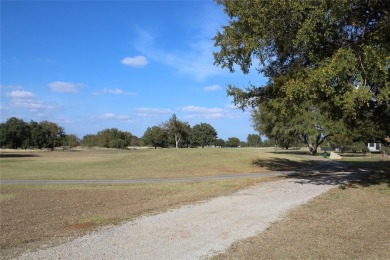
203, 134
110, 138
16, 133
327, 64
178, 131
156, 136
233, 142
253, 140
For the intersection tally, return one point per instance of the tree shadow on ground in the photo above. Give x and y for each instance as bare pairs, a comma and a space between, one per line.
280, 164
345, 174
17, 155
296, 152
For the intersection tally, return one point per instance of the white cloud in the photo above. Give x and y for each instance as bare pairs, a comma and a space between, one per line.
196, 61
196, 109
112, 116
149, 112
114, 91
136, 61
195, 58
22, 99
212, 88
210, 113
31, 104
66, 87
205, 112
20, 94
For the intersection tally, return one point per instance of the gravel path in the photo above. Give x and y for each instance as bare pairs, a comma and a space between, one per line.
192, 231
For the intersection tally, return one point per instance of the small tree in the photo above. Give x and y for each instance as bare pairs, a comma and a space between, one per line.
90, 141
71, 141
220, 143
177, 130
233, 142
203, 134
155, 136
253, 140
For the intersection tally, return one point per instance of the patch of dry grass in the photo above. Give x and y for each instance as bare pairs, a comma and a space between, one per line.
32, 216
350, 223
136, 164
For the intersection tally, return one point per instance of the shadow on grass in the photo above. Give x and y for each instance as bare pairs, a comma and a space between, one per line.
17, 155
354, 155
346, 174
296, 152
280, 164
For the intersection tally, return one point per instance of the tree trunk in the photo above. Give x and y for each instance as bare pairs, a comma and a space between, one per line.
177, 141
312, 146
313, 150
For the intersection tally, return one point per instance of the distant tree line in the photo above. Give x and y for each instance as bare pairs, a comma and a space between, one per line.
16, 133
110, 138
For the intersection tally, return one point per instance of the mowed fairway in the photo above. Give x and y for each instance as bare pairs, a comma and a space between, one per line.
142, 163
36, 215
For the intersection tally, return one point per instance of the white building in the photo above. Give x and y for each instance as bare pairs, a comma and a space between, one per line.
374, 147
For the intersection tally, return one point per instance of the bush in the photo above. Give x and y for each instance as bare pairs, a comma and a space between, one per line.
118, 143
358, 148
385, 150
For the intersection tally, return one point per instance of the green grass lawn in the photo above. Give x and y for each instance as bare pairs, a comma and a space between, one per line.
143, 163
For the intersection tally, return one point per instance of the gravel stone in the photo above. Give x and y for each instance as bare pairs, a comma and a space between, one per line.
193, 231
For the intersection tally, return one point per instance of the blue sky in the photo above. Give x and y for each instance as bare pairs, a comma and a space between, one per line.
91, 65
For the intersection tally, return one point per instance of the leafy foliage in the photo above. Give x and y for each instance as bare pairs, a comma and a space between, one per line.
15, 133
156, 136
71, 141
178, 131
110, 138
233, 142
327, 63
253, 140
203, 134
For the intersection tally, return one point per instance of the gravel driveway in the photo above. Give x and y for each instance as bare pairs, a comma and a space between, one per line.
192, 231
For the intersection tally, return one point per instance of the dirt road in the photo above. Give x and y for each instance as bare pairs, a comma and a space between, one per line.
192, 231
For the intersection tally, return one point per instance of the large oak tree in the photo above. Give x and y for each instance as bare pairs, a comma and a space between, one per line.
327, 64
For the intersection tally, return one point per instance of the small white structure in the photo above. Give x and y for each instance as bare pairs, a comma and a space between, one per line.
374, 147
